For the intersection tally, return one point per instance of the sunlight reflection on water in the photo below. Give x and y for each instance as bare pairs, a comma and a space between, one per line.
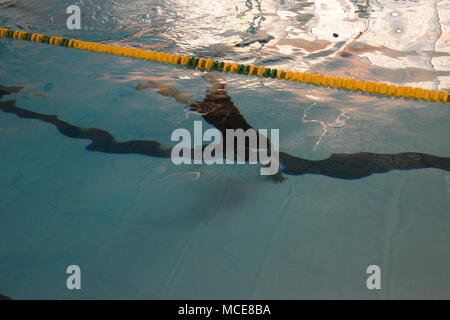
401, 42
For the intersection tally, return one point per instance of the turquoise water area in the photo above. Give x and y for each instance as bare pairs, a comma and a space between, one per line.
142, 228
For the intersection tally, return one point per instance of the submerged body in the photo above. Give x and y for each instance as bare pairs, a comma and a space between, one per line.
218, 110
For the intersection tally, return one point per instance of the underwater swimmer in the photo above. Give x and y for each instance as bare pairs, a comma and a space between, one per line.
338, 165
218, 109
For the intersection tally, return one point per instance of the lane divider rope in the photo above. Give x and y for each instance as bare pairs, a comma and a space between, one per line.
213, 65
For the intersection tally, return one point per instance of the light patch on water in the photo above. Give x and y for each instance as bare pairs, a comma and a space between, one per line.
444, 81
338, 122
314, 97
337, 17
389, 62
195, 175
284, 15
421, 84
288, 49
293, 29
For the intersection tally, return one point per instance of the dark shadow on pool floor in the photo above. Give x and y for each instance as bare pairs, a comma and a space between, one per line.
226, 115
2, 297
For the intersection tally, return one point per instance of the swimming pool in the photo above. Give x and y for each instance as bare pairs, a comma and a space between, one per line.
142, 228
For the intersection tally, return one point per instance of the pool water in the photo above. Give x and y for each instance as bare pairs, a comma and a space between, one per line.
143, 228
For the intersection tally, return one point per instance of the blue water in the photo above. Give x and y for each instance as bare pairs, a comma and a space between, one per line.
143, 228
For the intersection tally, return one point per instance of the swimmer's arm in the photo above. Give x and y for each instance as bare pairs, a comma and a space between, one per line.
215, 80
277, 177
166, 89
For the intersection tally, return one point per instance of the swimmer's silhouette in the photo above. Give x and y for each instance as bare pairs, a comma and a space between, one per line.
218, 110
